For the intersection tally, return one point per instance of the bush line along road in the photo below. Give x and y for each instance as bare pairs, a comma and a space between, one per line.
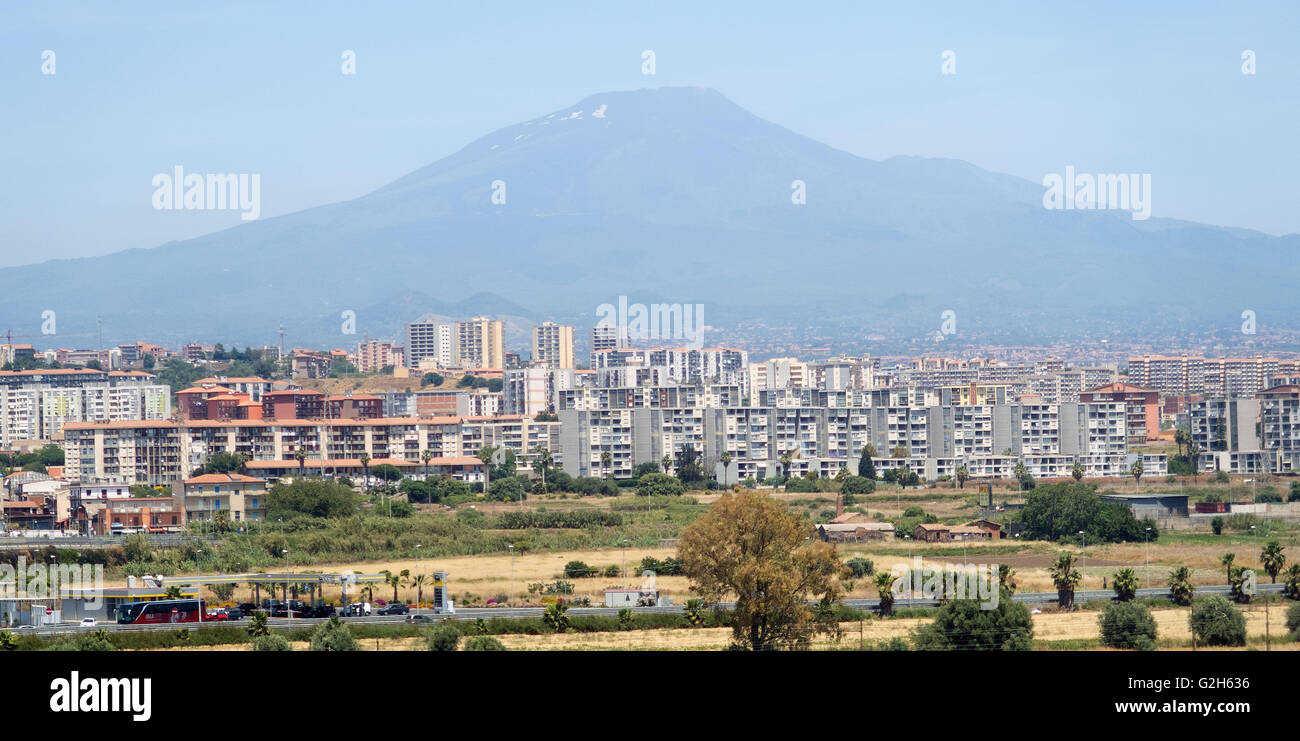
472, 613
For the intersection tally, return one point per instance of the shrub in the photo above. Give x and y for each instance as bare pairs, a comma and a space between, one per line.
613, 571
860, 567
484, 643
333, 636
658, 484
1293, 620
857, 485
273, 642
1216, 525
1215, 622
578, 570
443, 637
1128, 625
961, 625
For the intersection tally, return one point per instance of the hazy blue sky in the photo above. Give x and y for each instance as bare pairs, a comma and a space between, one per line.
140, 87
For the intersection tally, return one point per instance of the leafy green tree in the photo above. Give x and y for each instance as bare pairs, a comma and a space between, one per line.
689, 469
1181, 590
1215, 622
860, 567
1128, 625
311, 497
1125, 584
1077, 471
694, 612
962, 625
333, 635
1006, 580
224, 462
1273, 559
866, 466
443, 637
223, 592
658, 485
507, 490
857, 485
1065, 577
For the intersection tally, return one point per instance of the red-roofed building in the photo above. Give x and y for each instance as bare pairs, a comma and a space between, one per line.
293, 404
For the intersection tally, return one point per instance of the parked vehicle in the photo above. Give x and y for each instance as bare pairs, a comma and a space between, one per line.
396, 608
234, 613
356, 609
418, 619
217, 614
88, 622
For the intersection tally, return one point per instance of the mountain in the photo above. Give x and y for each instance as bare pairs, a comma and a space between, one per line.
671, 195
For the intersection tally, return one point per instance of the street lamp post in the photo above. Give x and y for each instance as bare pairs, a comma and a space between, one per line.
511, 598
623, 543
417, 559
1146, 566
1083, 556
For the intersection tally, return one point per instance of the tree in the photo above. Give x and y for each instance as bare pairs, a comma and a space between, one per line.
1237, 582
419, 581
1125, 584
1181, 438
962, 625
312, 497
365, 470
1077, 471
725, 460
7, 641
606, 462
750, 547
1273, 559
963, 475
1136, 471
224, 462
1065, 577
485, 454
426, 455
1181, 590
658, 485
1006, 580
223, 592
689, 469
1227, 559
786, 459
1291, 587
1128, 625
1215, 622
301, 455
258, 627
443, 637
884, 584
857, 485
1193, 455
556, 617
333, 635
667, 463
507, 490
866, 466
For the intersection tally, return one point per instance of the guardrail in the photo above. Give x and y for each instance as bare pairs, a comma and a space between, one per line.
157, 540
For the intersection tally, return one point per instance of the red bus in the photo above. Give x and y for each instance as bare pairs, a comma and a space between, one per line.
161, 611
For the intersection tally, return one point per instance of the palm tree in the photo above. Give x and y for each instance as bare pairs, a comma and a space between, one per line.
1291, 587
425, 456
1273, 559
9, 643
542, 460
1066, 577
301, 455
963, 475
258, 627
1137, 470
418, 581
725, 458
1237, 582
786, 459
1180, 586
393, 580
1193, 455
1227, 559
1077, 471
556, 616
606, 462
1007, 579
485, 454
884, 583
365, 470
666, 463
1125, 585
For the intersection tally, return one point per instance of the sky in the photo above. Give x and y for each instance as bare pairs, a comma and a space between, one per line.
139, 88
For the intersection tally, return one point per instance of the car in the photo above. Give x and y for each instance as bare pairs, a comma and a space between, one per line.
418, 619
356, 609
88, 622
396, 608
248, 608
217, 614
234, 613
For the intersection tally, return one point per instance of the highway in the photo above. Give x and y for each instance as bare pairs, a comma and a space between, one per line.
472, 613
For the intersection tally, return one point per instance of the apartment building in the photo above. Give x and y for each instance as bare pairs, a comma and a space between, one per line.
778, 373
167, 452
479, 343
553, 345
1143, 408
241, 497
607, 337
375, 355
37, 405
1279, 428
427, 339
